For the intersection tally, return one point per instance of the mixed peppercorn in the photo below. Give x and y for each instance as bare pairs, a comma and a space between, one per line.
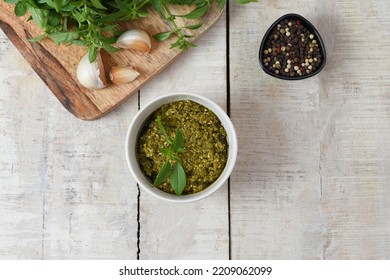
291, 50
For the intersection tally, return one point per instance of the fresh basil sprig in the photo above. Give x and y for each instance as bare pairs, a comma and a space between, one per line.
173, 165
93, 24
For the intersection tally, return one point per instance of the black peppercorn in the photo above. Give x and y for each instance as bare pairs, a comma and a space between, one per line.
295, 48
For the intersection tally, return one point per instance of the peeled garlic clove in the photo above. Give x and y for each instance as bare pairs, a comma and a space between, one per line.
91, 75
135, 39
122, 74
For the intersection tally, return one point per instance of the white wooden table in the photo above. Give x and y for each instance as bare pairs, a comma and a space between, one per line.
312, 179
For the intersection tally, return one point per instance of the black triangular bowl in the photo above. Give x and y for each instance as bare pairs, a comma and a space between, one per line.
310, 27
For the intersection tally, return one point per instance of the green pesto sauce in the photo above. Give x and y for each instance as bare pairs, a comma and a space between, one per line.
206, 148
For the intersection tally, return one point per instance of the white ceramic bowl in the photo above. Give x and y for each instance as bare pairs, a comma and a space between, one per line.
138, 121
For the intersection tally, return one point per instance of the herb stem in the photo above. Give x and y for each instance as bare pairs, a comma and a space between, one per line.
143, 4
171, 17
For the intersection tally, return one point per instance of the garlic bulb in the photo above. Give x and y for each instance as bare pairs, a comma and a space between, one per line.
91, 75
135, 39
122, 74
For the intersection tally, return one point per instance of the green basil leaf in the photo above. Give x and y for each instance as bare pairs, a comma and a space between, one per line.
157, 5
183, 2
184, 45
163, 131
189, 44
61, 37
143, 13
163, 36
197, 13
39, 16
110, 18
110, 40
178, 142
80, 43
50, 3
109, 28
109, 48
68, 7
31, 3
122, 5
245, 1
20, 9
199, 3
165, 152
163, 173
193, 27
79, 17
53, 19
58, 4
178, 178
176, 44
38, 38
98, 5
177, 159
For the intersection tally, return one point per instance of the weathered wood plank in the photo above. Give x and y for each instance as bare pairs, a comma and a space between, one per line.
90, 204
198, 230
275, 189
21, 132
314, 157
355, 131
65, 191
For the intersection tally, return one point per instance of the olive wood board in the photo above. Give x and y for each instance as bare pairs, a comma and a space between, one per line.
57, 65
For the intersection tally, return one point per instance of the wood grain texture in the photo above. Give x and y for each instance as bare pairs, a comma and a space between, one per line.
355, 131
65, 191
314, 163
57, 65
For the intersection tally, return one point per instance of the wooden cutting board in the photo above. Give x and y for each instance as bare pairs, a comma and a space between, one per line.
57, 65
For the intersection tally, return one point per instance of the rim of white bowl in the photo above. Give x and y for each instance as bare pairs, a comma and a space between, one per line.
138, 121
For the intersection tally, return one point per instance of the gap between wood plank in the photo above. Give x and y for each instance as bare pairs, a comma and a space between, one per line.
228, 112
138, 200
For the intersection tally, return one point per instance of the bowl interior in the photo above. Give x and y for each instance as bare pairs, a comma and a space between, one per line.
296, 19
136, 125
